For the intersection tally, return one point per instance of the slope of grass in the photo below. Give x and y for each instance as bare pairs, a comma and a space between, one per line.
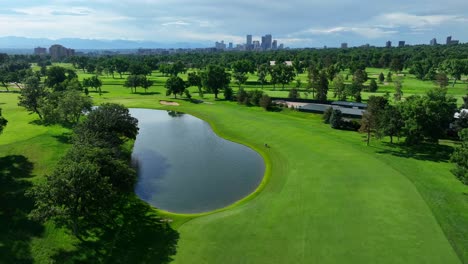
329, 199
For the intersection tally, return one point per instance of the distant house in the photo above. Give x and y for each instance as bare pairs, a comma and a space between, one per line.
463, 111
348, 109
288, 63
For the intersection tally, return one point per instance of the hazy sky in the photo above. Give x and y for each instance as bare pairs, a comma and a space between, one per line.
296, 23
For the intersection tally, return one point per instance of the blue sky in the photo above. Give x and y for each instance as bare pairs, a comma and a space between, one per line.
296, 23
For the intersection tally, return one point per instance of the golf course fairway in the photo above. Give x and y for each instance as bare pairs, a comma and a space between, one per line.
325, 198
329, 199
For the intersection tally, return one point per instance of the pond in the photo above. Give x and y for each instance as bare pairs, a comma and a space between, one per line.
184, 167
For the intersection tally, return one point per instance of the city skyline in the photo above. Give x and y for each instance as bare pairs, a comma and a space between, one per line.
295, 23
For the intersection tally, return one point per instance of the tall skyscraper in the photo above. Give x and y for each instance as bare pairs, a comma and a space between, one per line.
59, 52
449, 40
40, 51
249, 42
268, 40
401, 43
344, 45
433, 42
274, 45
388, 44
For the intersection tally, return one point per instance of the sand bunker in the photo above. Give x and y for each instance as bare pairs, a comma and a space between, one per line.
168, 103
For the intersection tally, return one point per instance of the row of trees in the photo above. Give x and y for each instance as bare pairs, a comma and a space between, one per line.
418, 118
90, 192
214, 79
423, 59
59, 99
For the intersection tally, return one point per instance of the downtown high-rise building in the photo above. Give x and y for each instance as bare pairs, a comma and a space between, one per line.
274, 44
248, 44
267, 42
58, 52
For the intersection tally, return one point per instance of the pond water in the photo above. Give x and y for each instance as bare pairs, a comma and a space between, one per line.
184, 167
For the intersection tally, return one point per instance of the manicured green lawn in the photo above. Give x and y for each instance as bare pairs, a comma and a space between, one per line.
328, 197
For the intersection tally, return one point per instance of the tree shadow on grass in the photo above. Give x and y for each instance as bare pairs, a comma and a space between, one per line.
65, 138
147, 93
16, 230
423, 151
97, 92
139, 237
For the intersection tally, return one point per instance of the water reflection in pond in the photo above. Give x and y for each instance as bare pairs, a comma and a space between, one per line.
184, 167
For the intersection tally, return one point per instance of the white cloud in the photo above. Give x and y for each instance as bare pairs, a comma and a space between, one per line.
176, 23
369, 32
392, 20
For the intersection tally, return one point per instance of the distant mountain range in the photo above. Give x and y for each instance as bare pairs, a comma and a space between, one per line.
11, 42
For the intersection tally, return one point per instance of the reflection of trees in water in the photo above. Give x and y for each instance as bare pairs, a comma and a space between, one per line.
174, 113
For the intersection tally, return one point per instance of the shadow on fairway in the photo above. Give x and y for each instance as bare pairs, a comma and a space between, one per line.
139, 237
97, 92
424, 151
65, 138
148, 93
16, 230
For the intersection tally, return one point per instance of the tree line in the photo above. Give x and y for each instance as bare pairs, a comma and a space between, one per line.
90, 193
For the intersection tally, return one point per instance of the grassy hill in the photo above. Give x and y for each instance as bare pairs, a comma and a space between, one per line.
328, 198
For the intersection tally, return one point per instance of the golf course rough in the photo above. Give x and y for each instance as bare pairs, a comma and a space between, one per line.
327, 201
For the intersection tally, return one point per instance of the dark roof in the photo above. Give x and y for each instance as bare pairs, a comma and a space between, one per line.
322, 107
349, 104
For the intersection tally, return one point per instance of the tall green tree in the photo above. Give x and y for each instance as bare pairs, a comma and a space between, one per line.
265, 102
215, 79
373, 86
336, 119
427, 117
287, 74
132, 82
177, 67
381, 78
72, 105
294, 93
69, 196
108, 125
339, 88
55, 76
175, 85
442, 80
145, 83
460, 157
195, 79
240, 78
3, 122
322, 87
262, 74
31, 94
121, 65
398, 89
455, 68
93, 82
373, 115
391, 123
